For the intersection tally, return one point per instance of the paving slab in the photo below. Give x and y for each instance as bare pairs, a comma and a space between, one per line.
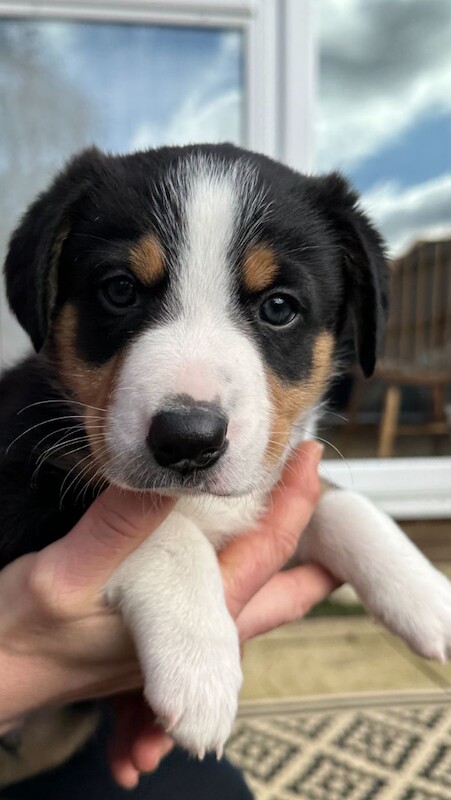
329, 656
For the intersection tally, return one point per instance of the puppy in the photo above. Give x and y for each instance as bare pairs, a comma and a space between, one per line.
188, 307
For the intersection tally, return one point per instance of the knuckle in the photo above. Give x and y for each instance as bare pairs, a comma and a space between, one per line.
302, 606
50, 601
285, 541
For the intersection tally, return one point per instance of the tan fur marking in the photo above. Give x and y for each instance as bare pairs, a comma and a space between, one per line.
259, 268
147, 259
91, 385
288, 401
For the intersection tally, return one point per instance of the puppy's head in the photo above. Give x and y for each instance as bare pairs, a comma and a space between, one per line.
194, 300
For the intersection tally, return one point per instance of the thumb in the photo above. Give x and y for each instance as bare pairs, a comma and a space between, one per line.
113, 526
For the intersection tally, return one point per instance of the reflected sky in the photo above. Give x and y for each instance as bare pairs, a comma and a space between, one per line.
384, 113
139, 85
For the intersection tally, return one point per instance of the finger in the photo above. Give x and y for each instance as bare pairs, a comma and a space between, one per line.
114, 526
249, 561
150, 745
122, 768
124, 772
286, 597
138, 743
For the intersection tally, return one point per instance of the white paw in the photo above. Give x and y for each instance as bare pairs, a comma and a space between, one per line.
192, 684
418, 610
360, 544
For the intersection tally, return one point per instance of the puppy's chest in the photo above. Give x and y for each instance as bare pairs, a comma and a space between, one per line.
222, 518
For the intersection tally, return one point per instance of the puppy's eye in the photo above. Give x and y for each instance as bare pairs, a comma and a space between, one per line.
119, 292
279, 310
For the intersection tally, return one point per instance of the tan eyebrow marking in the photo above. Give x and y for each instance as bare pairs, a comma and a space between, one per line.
259, 268
147, 259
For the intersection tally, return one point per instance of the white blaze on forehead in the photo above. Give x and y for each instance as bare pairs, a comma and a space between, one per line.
210, 213
217, 199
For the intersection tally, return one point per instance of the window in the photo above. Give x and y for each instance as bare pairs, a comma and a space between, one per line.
384, 119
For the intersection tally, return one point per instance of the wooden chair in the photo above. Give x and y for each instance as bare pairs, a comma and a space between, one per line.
417, 350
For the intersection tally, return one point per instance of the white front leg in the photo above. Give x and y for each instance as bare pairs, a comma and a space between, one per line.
360, 544
171, 596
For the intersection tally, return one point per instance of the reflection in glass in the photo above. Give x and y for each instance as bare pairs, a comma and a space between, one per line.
384, 119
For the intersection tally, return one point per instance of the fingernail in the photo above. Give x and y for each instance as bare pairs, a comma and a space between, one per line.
317, 452
132, 783
152, 769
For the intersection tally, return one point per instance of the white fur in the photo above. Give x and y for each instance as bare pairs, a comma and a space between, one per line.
170, 589
361, 545
170, 593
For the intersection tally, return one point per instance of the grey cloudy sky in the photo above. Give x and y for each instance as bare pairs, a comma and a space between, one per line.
384, 113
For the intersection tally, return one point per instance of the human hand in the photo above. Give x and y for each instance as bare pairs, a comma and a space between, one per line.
59, 641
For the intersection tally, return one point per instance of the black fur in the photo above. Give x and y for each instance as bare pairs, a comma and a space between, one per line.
81, 230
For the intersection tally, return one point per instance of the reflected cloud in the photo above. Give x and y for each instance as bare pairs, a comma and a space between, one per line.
195, 121
406, 215
384, 64
385, 104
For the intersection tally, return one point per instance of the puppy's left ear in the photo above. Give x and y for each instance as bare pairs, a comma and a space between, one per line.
365, 266
31, 266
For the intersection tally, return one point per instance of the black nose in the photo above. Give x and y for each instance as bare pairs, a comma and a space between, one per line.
188, 439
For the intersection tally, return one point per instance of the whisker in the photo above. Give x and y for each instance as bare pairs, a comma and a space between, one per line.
38, 466
38, 425
64, 401
62, 444
68, 430
76, 466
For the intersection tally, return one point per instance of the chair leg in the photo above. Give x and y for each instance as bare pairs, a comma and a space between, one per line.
351, 412
439, 402
389, 421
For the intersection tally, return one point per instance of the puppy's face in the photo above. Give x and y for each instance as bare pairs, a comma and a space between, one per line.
193, 303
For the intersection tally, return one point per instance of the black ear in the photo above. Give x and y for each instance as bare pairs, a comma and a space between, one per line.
31, 266
365, 265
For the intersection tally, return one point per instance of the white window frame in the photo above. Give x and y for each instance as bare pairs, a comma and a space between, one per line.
279, 107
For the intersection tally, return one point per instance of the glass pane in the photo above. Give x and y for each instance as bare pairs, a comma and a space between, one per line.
64, 85
384, 119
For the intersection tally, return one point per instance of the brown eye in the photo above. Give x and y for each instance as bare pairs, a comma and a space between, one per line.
119, 292
279, 310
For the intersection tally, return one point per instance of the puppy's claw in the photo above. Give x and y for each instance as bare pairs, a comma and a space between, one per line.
169, 723
201, 754
219, 752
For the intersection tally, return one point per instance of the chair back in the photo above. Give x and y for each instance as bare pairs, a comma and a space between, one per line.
418, 334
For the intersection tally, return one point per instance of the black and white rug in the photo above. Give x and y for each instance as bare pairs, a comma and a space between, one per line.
364, 747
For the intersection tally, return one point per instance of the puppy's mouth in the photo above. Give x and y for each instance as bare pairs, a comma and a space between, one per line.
173, 487
138, 474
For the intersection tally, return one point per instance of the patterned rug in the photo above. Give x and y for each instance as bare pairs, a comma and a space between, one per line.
365, 747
